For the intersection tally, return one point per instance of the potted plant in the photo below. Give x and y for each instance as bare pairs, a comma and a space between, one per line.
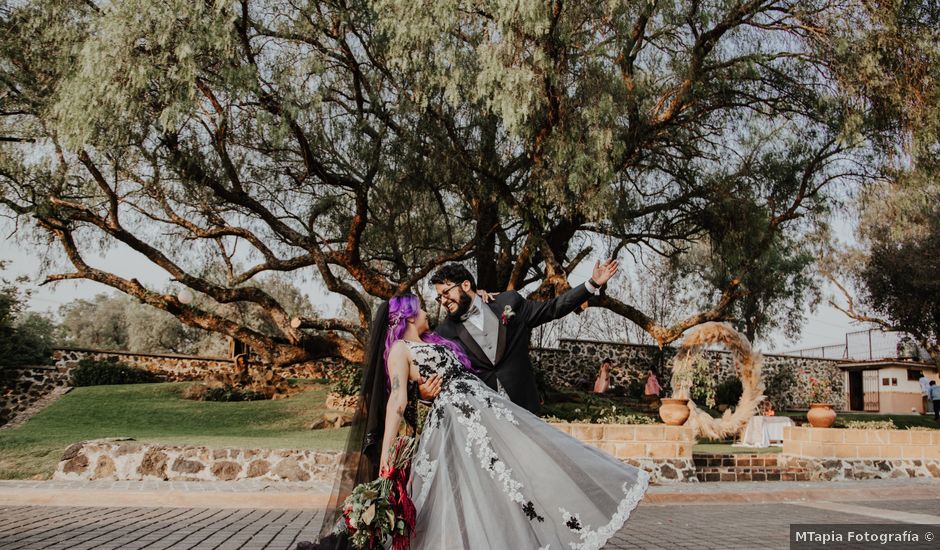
820, 414
675, 410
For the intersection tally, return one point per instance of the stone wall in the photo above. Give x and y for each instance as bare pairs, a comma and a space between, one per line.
665, 452
328, 368
575, 363
837, 454
186, 367
171, 367
131, 460
21, 388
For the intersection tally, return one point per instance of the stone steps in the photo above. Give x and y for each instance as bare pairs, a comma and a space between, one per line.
745, 467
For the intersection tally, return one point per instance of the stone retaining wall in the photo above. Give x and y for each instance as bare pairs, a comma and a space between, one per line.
663, 451
575, 363
21, 388
837, 454
171, 367
131, 460
187, 367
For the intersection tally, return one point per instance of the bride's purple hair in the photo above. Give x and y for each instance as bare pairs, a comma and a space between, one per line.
404, 307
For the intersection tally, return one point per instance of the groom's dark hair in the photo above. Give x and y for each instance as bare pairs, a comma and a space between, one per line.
454, 273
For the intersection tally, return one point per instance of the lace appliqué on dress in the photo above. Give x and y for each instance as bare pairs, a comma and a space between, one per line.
424, 468
594, 540
460, 386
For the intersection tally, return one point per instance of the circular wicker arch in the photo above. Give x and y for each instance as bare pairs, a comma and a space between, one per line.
747, 363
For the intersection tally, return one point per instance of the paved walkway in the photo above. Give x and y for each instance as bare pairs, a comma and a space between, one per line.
257, 515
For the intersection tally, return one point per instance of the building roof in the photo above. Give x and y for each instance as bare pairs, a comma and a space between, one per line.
885, 363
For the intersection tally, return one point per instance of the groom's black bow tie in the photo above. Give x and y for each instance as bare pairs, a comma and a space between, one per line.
470, 312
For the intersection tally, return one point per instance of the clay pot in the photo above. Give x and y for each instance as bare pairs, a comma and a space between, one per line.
821, 415
674, 412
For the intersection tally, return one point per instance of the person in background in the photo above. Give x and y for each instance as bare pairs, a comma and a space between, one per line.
602, 382
652, 386
935, 397
925, 393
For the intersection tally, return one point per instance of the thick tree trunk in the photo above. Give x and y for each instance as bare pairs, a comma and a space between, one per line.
487, 269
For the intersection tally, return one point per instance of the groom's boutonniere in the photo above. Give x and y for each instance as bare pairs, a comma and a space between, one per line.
507, 313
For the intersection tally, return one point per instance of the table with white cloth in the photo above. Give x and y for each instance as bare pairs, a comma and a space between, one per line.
762, 430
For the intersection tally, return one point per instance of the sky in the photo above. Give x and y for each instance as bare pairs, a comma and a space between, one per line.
827, 326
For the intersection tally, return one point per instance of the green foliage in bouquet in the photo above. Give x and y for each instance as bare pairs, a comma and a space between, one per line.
381, 509
368, 515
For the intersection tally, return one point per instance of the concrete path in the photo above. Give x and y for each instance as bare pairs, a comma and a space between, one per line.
256, 515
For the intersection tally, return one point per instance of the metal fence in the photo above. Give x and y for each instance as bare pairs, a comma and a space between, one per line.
861, 345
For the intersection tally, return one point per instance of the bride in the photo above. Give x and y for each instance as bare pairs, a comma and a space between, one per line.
487, 473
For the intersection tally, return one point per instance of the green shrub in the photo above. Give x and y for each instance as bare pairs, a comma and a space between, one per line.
729, 392
610, 416
102, 373
871, 424
348, 380
778, 384
636, 388
542, 385
614, 418
229, 393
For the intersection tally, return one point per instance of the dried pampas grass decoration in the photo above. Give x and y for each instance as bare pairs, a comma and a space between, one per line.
747, 363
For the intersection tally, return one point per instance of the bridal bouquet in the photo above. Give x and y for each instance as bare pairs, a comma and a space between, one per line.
382, 508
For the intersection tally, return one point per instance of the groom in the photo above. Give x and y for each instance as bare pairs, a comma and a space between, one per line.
495, 335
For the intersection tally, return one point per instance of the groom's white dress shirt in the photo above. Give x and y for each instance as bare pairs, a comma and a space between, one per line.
474, 315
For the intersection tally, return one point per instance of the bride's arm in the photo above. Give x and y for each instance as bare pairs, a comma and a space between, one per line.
398, 362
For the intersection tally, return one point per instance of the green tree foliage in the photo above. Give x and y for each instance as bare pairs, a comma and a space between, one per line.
897, 271
887, 61
26, 338
117, 321
372, 141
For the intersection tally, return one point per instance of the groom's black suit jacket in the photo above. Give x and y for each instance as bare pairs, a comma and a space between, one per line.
513, 368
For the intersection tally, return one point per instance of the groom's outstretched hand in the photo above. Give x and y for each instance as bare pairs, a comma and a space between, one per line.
430, 387
487, 297
604, 271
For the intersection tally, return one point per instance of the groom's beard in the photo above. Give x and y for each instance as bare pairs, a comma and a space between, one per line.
463, 306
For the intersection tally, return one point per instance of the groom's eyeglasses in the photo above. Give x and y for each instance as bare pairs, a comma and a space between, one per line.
440, 297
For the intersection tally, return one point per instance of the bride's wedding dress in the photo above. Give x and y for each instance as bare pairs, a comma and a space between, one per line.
488, 474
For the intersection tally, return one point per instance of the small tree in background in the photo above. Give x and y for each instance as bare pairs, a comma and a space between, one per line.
26, 338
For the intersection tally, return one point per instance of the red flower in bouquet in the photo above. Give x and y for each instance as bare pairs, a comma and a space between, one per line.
382, 508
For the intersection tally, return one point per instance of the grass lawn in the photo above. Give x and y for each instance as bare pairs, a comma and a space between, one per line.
726, 448
156, 413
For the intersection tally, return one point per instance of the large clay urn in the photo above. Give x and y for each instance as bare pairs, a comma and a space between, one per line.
674, 412
821, 415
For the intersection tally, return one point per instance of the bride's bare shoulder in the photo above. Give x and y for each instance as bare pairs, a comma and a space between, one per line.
399, 350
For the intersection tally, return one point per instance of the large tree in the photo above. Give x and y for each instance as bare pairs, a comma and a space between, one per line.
888, 62
374, 141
